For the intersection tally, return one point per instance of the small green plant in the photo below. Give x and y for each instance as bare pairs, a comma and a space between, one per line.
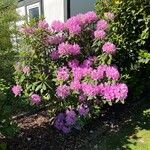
8, 18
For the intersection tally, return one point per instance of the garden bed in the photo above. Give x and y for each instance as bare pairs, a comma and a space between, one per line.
112, 129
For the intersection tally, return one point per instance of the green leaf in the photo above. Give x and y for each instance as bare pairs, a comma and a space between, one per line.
38, 87
3, 146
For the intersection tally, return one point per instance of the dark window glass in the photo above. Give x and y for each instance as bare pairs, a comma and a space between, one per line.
34, 13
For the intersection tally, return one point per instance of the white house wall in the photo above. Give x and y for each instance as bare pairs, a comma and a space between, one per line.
54, 10
22, 13
81, 6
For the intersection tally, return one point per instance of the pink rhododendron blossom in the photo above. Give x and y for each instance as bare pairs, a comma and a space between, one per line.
109, 48
27, 30
75, 49
62, 73
66, 129
89, 89
87, 63
17, 89
95, 74
109, 15
91, 16
75, 29
99, 34
86, 71
115, 91
35, 99
73, 25
43, 24
102, 25
101, 89
77, 73
101, 69
56, 39
73, 63
112, 73
59, 121
98, 73
70, 117
83, 110
54, 55
58, 26
108, 92
65, 49
26, 69
63, 91
75, 85
121, 91
82, 97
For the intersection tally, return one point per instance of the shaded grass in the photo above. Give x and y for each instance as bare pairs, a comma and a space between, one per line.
133, 133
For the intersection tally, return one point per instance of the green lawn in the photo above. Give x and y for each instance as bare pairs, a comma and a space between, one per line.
134, 133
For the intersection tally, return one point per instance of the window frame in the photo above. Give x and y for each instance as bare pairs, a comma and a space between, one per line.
31, 6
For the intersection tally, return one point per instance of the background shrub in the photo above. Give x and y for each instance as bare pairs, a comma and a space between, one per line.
8, 18
130, 31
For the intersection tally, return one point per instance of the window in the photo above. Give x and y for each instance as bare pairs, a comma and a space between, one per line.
34, 11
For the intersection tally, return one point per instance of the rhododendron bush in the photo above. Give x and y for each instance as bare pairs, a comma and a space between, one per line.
69, 66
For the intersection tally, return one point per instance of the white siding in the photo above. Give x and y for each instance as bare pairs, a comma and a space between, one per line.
22, 13
54, 10
81, 6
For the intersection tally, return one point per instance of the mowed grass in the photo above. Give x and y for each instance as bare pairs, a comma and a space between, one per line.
133, 134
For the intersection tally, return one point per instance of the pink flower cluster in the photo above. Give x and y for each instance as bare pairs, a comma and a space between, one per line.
54, 55
79, 72
115, 92
83, 109
62, 73
68, 49
27, 30
102, 25
35, 99
102, 71
67, 120
17, 89
64, 121
109, 48
58, 26
110, 92
109, 15
43, 24
74, 24
55, 39
99, 34
26, 69
63, 91
112, 73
